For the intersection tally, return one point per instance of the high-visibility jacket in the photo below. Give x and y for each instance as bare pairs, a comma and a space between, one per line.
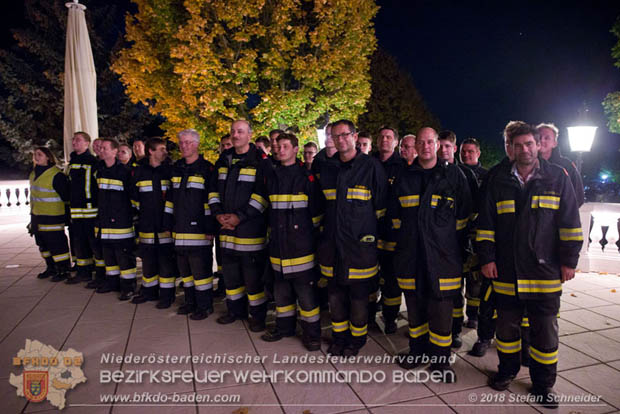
115, 216
148, 196
45, 199
429, 210
355, 194
83, 179
187, 213
240, 189
294, 218
529, 232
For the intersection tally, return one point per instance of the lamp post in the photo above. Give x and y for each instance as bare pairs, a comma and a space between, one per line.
580, 139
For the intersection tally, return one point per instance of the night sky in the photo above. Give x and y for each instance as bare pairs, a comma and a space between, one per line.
480, 64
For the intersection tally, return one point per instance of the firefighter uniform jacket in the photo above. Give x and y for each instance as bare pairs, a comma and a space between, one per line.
82, 176
49, 191
294, 218
355, 194
529, 232
186, 210
429, 210
392, 167
240, 189
115, 216
148, 196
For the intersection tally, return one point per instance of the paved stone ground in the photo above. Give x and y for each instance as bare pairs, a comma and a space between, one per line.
73, 317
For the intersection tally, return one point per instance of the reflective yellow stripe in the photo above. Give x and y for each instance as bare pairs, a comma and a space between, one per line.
235, 291
200, 282
418, 331
482, 235
380, 213
287, 197
488, 293
327, 271
117, 231
317, 220
259, 199
440, 340
457, 312
149, 279
504, 288
358, 331
330, 193
508, 347
386, 245
256, 296
310, 313
406, 284
539, 286
568, 234
392, 301
340, 326
546, 202
358, 194
461, 224
409, 201
290, 309
436, 197
167, 279
546, 358
450, 283
188, 279
247, 171
473, 302
363, 273
506, 206
396, 223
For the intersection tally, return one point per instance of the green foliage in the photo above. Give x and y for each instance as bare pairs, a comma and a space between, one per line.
395, 101
611, 104
32, 77
279, 63
490, 153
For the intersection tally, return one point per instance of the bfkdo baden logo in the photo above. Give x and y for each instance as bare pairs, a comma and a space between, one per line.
47, 373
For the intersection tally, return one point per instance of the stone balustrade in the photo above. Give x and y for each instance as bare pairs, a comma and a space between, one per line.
600, 234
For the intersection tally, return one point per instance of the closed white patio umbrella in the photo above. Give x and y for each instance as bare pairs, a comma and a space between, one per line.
80, 79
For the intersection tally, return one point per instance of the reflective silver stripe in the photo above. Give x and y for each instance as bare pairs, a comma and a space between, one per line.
286, 314
247, 178
146, 189
147, 240
169, 210
183, 242
165, 187
241, 247
176, 185
314, 318
149, 284
257, 205
41, 189
299, 268
106, 186
166, 284
283, 205
222, 176
51, 227
46, 199
165, 240
203, 287
256, 302
113, 272
106, 236
60, 257
199, 186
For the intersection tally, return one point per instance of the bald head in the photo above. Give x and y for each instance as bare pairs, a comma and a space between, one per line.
427, 131
426, 144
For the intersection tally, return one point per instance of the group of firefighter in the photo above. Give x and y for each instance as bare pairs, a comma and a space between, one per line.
335, 233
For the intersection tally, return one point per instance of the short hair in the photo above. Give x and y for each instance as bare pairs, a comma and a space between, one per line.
52, 160
264, 140
346, 122
364, 134
246, 122
191, 132
550, 126
394, 130
138, 139
227, 136
152, 143
112, 142
311, 144
408, 136
471, 141
275, 131
447, 135
290, 137
515, 128
83, 135
124, 144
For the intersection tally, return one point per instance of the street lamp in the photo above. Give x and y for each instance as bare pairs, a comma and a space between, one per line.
580, 139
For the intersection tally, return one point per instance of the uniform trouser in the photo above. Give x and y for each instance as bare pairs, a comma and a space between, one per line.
287, 293
120, 265
473, 290
391, 294
487, 315
195, 266
158, 271
544, 339
348, 305
243, 277
53, 247
87, 246
430, 322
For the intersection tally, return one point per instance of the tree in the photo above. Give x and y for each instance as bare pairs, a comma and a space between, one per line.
395, 101
611, 104
32, 77
279, 63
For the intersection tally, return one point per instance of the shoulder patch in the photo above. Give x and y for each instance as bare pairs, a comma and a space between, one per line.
263, 155
311, 178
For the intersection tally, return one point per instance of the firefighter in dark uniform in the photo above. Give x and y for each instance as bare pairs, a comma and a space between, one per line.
294, 219
189, 217
151, 181
115, 223
391, 295
238, 201
529, 238
49, 193
429, 207
83, 208
354, 187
